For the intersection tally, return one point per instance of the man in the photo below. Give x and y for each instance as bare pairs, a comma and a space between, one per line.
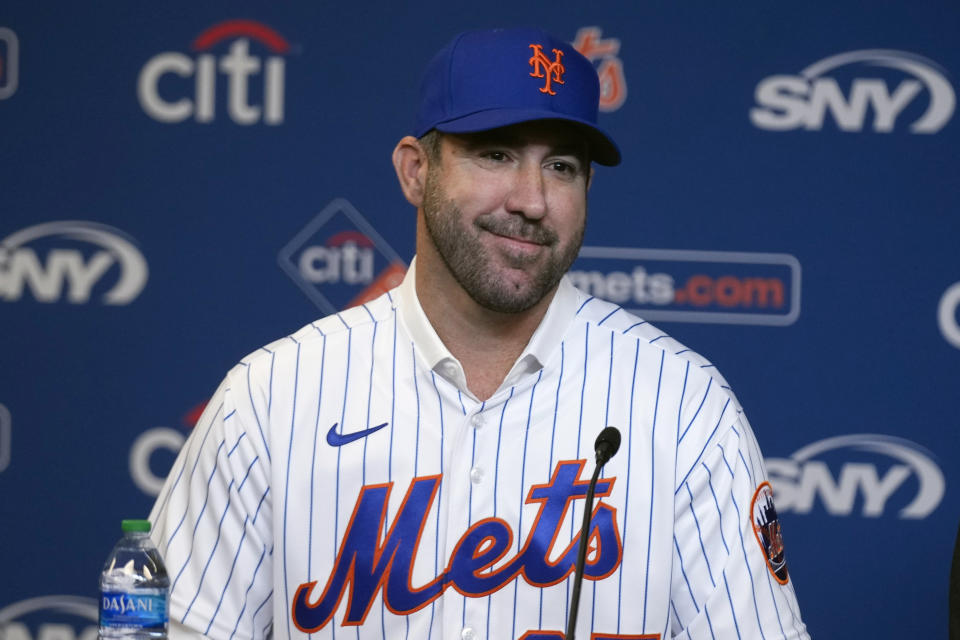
416, 467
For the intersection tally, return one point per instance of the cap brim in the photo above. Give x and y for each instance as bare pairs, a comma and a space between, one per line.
603, 150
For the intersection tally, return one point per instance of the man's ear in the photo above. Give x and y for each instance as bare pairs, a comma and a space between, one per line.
411, 163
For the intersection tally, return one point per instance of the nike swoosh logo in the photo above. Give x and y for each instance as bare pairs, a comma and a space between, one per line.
335, 439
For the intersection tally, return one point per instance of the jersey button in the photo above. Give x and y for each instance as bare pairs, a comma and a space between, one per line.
468, 634
476, 475
477, 421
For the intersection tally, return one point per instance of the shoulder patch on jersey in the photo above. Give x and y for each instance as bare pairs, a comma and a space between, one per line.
766, 528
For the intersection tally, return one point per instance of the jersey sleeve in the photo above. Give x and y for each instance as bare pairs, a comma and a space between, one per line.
730, 579
211, 521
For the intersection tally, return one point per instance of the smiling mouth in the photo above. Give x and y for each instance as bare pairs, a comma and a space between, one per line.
539, 238
519, 240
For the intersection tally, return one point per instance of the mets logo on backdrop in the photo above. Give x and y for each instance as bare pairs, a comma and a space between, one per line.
551, 70
173, 86
604, 52
339, 260
693, 286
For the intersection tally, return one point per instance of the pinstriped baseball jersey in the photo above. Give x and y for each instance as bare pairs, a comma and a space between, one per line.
344, 483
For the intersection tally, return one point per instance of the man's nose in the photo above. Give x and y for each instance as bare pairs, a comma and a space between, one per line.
527, 195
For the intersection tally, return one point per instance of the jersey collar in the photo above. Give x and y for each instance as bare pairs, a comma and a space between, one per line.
545, 340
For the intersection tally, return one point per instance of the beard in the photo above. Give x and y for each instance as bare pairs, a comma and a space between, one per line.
483, 272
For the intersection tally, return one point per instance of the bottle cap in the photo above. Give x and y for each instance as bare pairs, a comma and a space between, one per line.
129, 526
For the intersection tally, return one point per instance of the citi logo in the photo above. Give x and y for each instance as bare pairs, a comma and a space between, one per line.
153, 452
165, 99
786, 102
866, 477
66, 259
346, 257
339, 260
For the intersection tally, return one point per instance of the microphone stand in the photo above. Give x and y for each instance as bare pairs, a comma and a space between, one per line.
582, 555
605, 447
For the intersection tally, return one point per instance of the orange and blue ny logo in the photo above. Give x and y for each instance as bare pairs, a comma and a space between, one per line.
543, 67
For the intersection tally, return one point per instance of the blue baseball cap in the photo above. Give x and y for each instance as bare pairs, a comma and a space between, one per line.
488, 79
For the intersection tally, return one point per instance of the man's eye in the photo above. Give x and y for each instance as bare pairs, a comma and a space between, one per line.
563, 167
496, 156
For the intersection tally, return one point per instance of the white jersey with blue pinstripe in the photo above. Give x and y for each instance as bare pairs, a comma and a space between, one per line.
343, 483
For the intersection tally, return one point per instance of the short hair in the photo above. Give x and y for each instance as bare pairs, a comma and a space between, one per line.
430, 141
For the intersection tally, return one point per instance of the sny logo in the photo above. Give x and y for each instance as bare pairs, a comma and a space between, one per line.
69, 263
791, 102
866, 471
57, 617
238, 65
947, 314
9, 62
543, 67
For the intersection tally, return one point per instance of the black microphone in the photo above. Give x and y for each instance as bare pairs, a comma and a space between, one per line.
605, 447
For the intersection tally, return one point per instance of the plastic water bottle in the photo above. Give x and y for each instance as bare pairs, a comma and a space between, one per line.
134, 587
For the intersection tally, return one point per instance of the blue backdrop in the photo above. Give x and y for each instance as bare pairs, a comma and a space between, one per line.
184, 182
